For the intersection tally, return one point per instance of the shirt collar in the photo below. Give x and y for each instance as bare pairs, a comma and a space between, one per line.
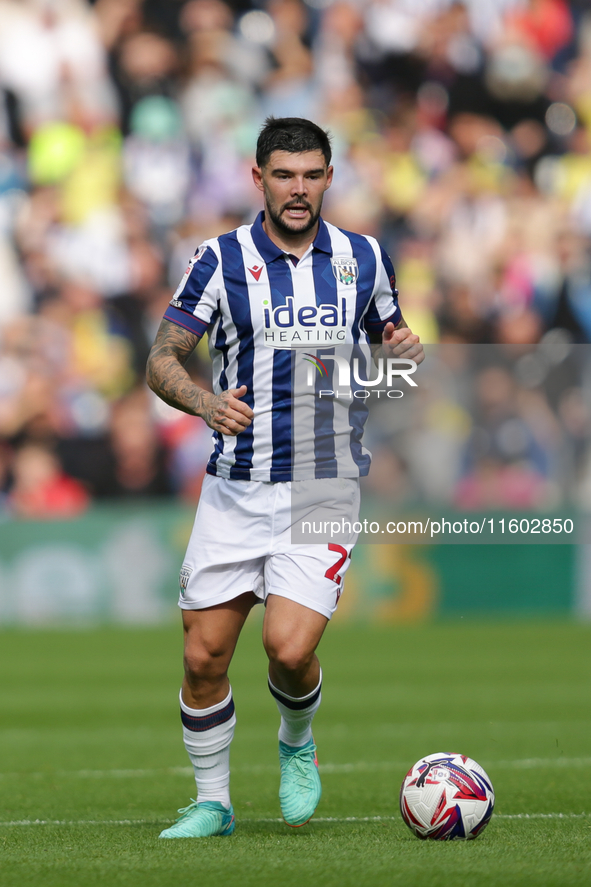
270, 251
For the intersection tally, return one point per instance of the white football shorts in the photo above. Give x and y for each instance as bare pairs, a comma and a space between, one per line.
241, 541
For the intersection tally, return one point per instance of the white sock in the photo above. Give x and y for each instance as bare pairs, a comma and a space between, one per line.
207, 733
296, 714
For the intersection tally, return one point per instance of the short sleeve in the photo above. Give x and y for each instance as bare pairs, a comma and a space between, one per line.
195, 300
383, 307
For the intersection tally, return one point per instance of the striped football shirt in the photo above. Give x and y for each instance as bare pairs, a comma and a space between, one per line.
285, 328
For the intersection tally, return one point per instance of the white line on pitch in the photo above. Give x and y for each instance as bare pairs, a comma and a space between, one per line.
158, 822
359, 766
541, 815
527, 763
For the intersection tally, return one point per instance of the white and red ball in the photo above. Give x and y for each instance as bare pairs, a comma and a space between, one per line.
446, 797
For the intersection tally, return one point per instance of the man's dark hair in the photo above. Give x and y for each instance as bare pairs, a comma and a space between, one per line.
292, 134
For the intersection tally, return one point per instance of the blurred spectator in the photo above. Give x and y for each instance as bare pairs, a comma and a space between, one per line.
144, 65
508, 457
5, 478
41, 489
139, 468
53, 63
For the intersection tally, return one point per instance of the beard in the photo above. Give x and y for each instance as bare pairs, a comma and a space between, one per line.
284, 226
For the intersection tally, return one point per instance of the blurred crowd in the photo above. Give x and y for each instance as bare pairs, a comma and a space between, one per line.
461, 135
502, 427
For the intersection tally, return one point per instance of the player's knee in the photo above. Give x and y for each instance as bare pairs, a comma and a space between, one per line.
204, 664
289, 657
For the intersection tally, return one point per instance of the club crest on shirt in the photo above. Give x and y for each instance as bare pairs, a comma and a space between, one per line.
184, 577
345, 269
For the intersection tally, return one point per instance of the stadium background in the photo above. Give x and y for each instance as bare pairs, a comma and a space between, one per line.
461, 140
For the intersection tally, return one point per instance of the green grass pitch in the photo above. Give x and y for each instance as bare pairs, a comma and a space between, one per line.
92, 764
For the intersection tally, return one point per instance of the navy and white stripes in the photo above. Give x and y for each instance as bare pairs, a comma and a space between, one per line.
206, 722
293, 703
265, 314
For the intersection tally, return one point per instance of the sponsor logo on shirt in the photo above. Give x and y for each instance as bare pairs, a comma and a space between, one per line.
288, 326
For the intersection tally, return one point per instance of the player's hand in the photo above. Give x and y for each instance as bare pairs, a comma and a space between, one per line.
401, 342
226, 413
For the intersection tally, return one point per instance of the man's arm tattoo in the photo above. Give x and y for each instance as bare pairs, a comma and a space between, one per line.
166, 374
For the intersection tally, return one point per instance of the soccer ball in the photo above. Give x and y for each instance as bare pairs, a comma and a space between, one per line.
446, 796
